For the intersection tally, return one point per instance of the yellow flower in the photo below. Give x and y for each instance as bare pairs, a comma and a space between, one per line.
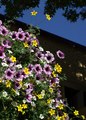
26, 71
58, 118
50, 90
34, 13
64, 115
20, 108
23, 112
58, 68
61, 106
76, 113
20, 83
49, 101
24, 106
48, 17
34, 43
13, 59
26, 44
51, 112
0, 80
40, 96
83, 117
8, 84
54, 74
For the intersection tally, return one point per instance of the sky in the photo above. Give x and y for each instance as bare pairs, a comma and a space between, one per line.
58, 25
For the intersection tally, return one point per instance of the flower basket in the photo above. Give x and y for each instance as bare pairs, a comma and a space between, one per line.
29, 80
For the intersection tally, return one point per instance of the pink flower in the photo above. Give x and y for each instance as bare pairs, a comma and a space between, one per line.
29, 98
2, 55
1, 49
47, 69
60, 54
38, 68
9, 74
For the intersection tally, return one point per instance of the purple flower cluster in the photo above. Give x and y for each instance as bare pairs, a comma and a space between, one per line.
38, 70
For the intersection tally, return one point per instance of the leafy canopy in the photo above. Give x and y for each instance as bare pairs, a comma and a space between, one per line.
72, 9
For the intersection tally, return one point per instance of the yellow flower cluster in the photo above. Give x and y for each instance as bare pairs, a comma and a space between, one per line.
34, 43
48, 17
26, 71
34, 13
76, 113
26, 45
41, 96
58, 68
54, 74
8, 83
50, 90
0, 80
49, 101
51, 112
63, 117
22, 107
13, 59
61, 106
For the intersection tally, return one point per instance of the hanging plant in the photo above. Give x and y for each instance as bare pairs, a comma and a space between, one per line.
29, 80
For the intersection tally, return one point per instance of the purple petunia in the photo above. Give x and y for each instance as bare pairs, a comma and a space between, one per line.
14, 35
30, 66
23, 75
54, 80
3, 30
40, 55
29, 89
20, 36
1, 49
60, 54
38, 68
29, 98
18, 76
38, 77
9, 74
9, 62
27, 35
6, 44
47, 69
2, 55
17, 85
49, 57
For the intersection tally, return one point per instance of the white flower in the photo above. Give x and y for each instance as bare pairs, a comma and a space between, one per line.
19, 66
41, 49
26, 85
32, 51
4, 94
24, 101
41, 116
33, 104
38, 82
17, 92
34, 98
4, 64
43, 93
10, 52
31, 75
